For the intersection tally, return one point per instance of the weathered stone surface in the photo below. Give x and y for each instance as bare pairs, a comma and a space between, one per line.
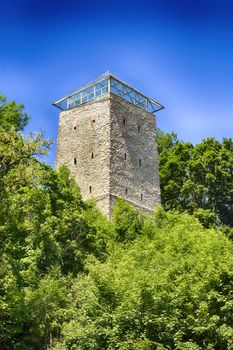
113, 144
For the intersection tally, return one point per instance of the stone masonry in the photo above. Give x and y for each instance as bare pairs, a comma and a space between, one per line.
109, 145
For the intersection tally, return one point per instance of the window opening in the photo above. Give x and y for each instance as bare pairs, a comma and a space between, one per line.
125, 156
140, 162
93, 120
126, 191
92, 155
90, 189
141, 196
139, 128
124, 121
75, 127
75, 161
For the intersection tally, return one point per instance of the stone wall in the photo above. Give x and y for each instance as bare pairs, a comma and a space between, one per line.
133, 156
84, 139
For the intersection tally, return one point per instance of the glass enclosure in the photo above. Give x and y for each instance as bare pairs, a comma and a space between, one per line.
101, 87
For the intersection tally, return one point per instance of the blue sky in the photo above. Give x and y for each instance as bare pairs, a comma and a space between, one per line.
179, 52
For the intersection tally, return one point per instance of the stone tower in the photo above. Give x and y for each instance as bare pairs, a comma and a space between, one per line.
107, 138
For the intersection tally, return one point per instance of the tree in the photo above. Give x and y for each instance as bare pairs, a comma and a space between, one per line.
127, 221
19, 156
170, 289
12, 115
198, 177
47, 232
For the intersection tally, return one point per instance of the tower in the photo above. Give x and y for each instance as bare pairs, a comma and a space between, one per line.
107, 138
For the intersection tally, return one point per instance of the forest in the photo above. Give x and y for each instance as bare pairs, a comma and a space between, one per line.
72, 280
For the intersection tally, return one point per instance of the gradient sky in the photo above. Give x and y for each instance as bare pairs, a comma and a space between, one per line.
179, 52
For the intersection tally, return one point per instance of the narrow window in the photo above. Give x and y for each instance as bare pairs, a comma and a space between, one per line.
141, 196
90, 189
125, 156
93, 120
75, 161
140, 162
139, 129
75, 127
124, 121
126, 191
92, 155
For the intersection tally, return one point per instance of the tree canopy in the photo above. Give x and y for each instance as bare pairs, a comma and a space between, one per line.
12, 114
197, 179
169, 288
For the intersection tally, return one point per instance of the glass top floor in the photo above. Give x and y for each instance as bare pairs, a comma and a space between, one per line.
102, 85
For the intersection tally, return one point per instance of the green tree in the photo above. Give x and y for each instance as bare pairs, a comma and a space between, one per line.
12, 115
167, 290
46, 234
198, 178
127, 221
45, 227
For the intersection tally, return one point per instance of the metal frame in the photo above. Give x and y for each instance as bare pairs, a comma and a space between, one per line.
102, 85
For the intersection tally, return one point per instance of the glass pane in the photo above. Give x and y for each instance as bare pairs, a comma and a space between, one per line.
77, 96
132, 95
77, 102
137, 97
142, 105
90, 97
70, 99
84, 93
119, 86
98, 86
84, 99
150, 107
127, 98
104, 90
104, 82
116, 91
98, 92
63, 104
90, 90
71, 105
101, 84
156, 108
113, 82
127, 90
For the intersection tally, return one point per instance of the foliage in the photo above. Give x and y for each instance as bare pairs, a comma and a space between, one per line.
169, 290
45, 227
47, 232
12, 115
198, 177
18, 157
70, 279
126, 221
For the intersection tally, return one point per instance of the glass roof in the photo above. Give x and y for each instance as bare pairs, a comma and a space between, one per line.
104, 84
